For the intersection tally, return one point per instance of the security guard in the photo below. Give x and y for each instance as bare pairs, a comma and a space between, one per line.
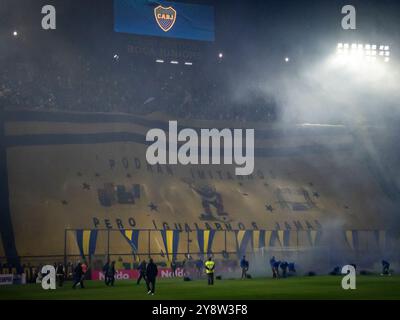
210, 265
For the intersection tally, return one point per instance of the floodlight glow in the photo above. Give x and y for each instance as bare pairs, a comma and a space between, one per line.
174, 62
287, 59
188, 63
160, 61
358, 52
15, 33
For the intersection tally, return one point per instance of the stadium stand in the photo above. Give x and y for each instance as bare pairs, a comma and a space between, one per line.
80, 187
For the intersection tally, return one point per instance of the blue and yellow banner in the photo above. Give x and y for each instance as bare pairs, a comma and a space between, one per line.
205, 240
352, 238
313, 237
243, 239
283, 236
258, 239
86, 240
132, 236
171, 242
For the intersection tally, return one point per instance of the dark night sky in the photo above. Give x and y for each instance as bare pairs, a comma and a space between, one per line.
240, 25
250, 33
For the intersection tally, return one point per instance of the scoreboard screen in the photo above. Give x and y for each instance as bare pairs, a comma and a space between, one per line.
164, 19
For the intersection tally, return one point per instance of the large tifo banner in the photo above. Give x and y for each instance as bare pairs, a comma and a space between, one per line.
164, 19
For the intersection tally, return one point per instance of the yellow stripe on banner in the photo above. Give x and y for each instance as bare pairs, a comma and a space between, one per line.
240, 236
206, 238
85, 241
280, 236
268, 235
313, 235
170, 239
349, 238
256, 239
128, 234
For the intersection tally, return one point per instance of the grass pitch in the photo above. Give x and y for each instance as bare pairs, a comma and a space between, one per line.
319, 287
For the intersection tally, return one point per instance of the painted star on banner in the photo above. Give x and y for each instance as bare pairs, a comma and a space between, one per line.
86, 186
269, 207
153, 207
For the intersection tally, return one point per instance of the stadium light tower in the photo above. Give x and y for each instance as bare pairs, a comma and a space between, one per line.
15, 33
220, 55
357, 52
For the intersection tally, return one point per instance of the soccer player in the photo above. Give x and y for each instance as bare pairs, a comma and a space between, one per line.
173, 268
142, 272
105, 270
244, 264
284, 266
272, 262
385, 267
60, 274
111, 274
292, 269
151, 275
210, 266
78, 276
199, 267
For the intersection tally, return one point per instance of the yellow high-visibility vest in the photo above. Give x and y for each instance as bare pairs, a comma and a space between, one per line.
209, 266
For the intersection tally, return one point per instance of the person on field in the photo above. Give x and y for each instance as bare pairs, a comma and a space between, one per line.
151, 275
274, 267
111, 274
385, 267
142, 272
210, 267
84, 270
199, 267
105, 270
244, 265
78, 276
60, 274
284, 266
173, 268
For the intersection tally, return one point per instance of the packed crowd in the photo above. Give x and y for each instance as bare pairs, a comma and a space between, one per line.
87, 85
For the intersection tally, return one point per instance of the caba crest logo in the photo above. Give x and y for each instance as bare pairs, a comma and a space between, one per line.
165, 17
